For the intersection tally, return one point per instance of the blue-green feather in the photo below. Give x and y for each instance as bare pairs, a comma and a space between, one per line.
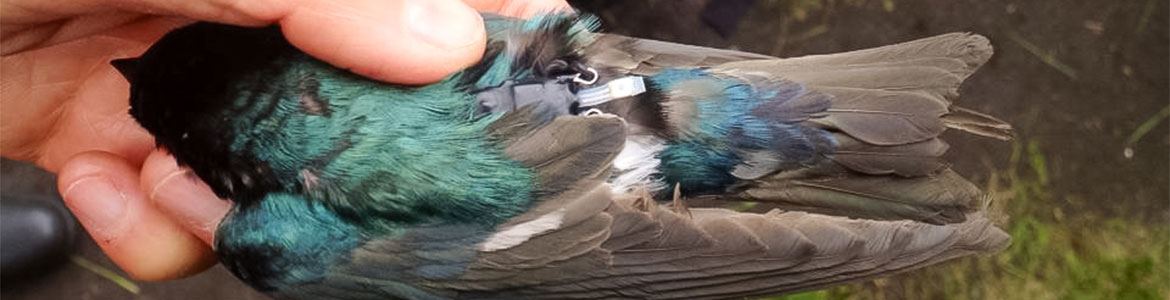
386, 153
284, 239
380, 164
743, 116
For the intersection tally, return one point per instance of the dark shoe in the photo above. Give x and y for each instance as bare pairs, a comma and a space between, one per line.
36, 235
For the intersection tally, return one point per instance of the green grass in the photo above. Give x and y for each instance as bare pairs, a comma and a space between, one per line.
1046, 56
1055, 254
111, 275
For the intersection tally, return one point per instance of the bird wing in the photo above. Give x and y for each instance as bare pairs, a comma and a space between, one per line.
628, 247
633, 248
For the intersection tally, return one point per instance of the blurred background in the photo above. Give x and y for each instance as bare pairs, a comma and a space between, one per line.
1084, 190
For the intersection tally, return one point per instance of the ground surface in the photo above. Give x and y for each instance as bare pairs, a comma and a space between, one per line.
1077, 78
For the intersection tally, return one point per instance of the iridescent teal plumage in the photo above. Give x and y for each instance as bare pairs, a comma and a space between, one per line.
700, 161
311, 239
736, 118
346, 188
361, 136
453, 172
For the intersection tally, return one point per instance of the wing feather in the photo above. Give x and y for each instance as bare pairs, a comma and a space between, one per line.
732, 255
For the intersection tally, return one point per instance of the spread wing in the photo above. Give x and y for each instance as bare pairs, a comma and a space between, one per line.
583, 242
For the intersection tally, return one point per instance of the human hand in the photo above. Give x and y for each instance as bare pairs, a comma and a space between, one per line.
65, 107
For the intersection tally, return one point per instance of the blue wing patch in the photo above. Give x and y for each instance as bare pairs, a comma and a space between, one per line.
742, 127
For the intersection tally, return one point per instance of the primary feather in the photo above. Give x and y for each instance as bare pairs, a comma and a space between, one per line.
346, 188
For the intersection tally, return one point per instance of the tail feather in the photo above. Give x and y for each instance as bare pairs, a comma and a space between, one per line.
909, 160
882, 117
938, 77
977, 123
938, 199
890, 104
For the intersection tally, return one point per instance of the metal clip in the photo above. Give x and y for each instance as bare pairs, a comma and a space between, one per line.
592, 79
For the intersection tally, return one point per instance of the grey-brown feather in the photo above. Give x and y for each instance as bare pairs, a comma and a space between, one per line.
890, 105
723, 254
977, 123
882, 117
908, 160
623, 55
939, 199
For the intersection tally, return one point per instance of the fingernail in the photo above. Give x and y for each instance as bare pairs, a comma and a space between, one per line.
96, 202
444, 23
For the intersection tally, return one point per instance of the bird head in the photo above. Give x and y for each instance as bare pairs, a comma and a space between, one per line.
179, 92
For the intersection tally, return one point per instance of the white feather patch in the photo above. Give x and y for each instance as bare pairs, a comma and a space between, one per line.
519, 233
636, 165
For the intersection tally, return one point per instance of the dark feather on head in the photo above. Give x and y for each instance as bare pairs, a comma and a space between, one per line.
177, 93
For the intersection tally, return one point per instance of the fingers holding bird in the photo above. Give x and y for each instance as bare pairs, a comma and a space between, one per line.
402, 41
408, 41
145, 212
104, 192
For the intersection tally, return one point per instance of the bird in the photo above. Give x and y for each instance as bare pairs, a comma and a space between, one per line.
566, 164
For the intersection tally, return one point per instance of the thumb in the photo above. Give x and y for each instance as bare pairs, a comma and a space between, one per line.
401, 41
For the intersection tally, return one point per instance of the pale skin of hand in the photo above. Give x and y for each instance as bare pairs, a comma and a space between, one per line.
65, 107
